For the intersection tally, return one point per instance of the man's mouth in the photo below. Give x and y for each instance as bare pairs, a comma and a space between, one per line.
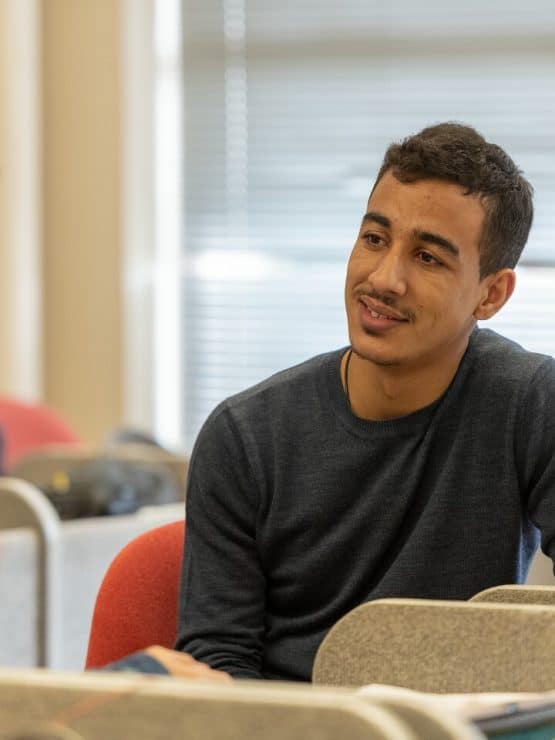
380, 312
376, 315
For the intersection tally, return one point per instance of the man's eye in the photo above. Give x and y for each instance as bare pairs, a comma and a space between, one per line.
428, 259
373, 240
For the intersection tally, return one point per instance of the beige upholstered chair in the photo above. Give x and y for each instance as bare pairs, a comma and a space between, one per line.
114, 706
514, 594
441, 646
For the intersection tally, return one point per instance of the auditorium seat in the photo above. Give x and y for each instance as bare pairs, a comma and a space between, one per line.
441, 646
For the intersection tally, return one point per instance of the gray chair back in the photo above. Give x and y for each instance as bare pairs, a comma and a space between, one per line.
441, 646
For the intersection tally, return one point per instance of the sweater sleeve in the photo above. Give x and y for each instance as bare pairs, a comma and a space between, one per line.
222, 593
138, 662
536, 452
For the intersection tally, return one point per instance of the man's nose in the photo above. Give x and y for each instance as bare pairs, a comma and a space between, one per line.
388, 274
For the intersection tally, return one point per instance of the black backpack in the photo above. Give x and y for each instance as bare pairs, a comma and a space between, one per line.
108, 486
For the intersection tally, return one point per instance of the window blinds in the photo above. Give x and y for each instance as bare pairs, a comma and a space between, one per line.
288, 108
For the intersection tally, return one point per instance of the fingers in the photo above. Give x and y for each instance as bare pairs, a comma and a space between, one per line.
183, 665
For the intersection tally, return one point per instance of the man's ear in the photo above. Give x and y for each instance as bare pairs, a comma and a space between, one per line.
497, 289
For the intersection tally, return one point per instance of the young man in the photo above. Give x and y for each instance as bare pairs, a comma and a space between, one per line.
418, 462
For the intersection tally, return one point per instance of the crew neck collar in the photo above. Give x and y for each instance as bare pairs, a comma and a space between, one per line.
407, 424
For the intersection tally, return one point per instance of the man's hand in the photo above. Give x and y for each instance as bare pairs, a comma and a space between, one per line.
182, 665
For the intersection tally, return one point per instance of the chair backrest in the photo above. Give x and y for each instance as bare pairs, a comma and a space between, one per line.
29, 426
514, 594
136, 605
109, 707
441, 646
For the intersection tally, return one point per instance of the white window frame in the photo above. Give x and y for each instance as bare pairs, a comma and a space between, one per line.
152, 201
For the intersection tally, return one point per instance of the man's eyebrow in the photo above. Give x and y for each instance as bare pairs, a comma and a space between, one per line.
423, 236
439, 241
377, 218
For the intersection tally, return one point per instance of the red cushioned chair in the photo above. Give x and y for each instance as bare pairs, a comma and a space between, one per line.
136, 605
28, 426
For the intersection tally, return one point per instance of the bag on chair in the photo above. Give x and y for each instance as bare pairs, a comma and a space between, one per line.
106, 487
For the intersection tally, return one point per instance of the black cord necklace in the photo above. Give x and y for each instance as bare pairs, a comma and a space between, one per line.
347, 363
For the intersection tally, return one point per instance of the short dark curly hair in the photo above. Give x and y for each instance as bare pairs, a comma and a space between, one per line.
457, 153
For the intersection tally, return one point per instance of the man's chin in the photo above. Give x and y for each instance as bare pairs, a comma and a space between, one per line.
381, 359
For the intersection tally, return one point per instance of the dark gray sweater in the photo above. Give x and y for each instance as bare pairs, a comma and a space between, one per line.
298, 511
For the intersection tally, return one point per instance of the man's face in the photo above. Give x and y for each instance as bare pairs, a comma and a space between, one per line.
413, 276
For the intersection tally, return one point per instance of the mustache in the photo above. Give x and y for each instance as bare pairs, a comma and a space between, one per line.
386, 301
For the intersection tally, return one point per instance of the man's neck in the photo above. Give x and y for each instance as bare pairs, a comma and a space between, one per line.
378, 393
